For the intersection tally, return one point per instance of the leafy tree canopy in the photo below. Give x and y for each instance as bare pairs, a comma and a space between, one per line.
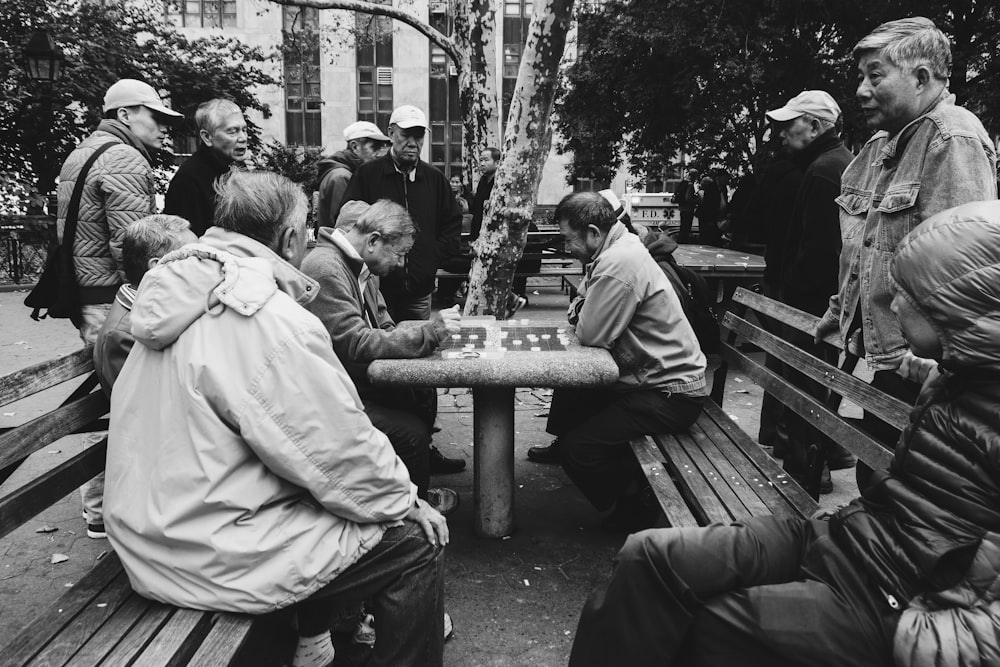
104, 42
655, 79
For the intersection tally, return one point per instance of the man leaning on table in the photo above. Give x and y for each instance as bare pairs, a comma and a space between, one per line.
627, 306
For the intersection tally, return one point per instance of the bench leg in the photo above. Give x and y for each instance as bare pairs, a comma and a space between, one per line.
493, 461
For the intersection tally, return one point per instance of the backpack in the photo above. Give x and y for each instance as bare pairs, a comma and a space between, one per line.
696, 299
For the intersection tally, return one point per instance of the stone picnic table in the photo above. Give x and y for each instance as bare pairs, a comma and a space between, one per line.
493, 380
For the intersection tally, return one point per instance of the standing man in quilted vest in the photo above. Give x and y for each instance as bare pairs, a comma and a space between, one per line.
927, 155
118, 191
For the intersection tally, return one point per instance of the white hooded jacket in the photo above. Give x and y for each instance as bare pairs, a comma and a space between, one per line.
242, 473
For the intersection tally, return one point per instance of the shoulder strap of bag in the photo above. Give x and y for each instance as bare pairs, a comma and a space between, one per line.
73, 211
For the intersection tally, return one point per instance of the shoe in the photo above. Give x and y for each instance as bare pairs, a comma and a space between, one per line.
633, 513
449, 627
365, 633
441, 465
548, 454
825, 482
443, 500
515, 303
96, 531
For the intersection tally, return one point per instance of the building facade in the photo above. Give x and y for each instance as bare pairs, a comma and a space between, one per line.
361, 67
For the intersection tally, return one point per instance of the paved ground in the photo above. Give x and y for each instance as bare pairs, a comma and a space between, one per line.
514, 601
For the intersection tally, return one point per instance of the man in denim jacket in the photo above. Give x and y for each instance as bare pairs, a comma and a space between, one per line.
927, 155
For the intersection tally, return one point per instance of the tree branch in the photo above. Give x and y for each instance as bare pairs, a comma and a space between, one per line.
445, 42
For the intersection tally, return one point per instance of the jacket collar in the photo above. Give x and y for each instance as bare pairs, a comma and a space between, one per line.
121, 131
823, 143
334, 238
289, 280
212, 156
897, 142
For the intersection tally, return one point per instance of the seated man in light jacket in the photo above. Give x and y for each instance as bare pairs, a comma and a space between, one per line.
907, 574
243, 474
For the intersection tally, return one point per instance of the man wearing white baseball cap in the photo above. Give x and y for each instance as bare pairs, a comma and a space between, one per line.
810, 252
365, 142
118, 190
402, 177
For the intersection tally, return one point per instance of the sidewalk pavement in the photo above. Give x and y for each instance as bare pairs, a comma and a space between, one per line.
514, 601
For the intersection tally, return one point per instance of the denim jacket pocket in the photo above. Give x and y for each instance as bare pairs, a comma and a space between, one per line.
900, 198
854, 207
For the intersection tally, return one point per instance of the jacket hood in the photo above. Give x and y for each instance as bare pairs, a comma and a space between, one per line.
660, 245
948, 267
344, 159
223, 270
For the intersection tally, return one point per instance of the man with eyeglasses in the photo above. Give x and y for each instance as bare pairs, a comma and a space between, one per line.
348, 262
425, 193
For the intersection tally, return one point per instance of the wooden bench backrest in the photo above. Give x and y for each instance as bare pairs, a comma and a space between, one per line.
81, 411
841, 383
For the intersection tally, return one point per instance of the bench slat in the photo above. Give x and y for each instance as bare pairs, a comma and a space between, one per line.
779, 495
224, 641
730, 503
42, 431
669, 497
50, 623
33, 379
793, 317
141, 631
64, 646
850, 437
714, 449
177, 640
105, 641
696, 491
18, 506
891, 410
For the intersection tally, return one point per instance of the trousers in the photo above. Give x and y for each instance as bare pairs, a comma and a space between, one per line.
594, 427
92, 492
767, 591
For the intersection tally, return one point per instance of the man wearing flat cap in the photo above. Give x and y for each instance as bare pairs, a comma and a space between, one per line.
118, 190
365, 142
808, 126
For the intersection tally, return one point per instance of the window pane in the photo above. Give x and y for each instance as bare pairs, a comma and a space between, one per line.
312, 90
293, 90
437, 133
366, 90
512, 8
192, 7
314, 130
293, 128
314, 105
437, 153
366, 75
456, 134
293, 104
385, 104
366, 105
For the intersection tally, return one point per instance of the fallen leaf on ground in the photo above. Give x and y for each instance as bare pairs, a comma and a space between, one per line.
46, 529
59, 558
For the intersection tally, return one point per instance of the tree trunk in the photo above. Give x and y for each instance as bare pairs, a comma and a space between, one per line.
527, 140
475, 39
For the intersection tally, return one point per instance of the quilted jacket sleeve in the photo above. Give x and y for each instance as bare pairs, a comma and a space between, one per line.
959, 627
128, 191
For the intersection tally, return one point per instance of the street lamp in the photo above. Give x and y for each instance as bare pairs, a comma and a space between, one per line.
43, 59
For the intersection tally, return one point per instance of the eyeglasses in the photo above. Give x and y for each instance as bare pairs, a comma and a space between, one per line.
398, 254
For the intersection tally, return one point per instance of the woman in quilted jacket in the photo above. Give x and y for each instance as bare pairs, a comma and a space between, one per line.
909, 573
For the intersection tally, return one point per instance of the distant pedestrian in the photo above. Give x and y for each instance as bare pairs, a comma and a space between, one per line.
709, 212
222, 144
686, 198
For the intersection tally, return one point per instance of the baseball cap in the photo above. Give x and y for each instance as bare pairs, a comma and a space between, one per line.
364, 130
350, 213
133, 93
408, 116
816, 103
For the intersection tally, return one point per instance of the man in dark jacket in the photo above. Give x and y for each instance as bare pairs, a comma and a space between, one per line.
365, 142
906, 574
401, 176
222, 143
808, 127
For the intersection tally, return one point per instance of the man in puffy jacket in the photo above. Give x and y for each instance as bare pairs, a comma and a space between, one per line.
243, 474
118, 190
365, 142
909, 573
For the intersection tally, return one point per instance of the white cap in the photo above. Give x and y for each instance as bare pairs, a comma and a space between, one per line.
364, 130
816, 103
133, 93
408, 116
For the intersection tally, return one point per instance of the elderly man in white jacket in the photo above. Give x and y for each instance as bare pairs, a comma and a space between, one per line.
243, 474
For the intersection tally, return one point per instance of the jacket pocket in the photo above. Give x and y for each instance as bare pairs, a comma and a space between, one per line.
900, 198
899, 208
854, 207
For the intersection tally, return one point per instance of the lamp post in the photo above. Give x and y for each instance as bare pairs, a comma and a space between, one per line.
43, 59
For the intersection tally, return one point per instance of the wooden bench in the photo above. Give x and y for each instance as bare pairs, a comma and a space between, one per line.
716, 472
100, 620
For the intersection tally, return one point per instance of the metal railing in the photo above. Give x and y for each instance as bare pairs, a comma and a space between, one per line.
24, 242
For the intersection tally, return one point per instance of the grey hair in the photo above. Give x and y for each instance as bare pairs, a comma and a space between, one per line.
387, 218
209, 115
581, 209
149, 237
910, 43
259, 204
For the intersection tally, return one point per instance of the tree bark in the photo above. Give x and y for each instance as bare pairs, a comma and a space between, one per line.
527, 140
475, 39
